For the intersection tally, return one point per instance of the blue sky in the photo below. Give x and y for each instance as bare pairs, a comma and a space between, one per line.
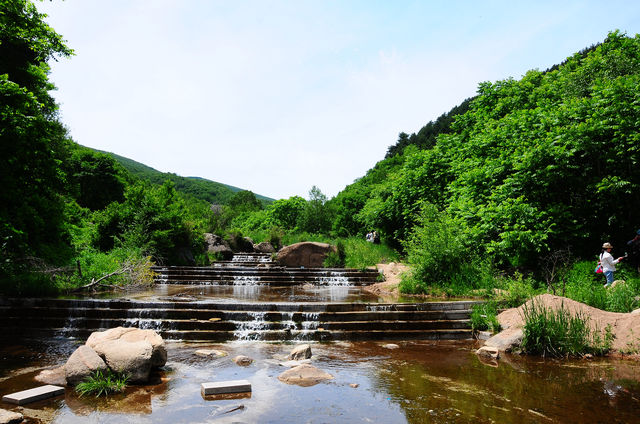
278, 96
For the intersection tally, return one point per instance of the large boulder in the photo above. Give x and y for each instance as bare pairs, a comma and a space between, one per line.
132, 335
132, 358
304, 375
81, 364
305, 254
216, 244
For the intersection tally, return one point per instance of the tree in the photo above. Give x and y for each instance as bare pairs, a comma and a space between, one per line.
31, 138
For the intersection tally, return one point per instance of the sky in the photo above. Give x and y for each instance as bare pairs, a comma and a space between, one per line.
278, 96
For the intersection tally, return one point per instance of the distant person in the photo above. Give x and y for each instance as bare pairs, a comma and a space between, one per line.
634, 251
376, 237
370, 237
608, 263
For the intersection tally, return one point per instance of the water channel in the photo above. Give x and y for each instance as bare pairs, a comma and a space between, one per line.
382, 381
418, 382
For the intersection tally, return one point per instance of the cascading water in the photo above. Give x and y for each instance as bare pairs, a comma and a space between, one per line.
246, 287
251, 329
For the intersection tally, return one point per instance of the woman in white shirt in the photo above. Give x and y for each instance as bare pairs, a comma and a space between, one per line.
608, 263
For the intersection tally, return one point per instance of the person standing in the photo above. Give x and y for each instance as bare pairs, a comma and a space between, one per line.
634, 253
608, 263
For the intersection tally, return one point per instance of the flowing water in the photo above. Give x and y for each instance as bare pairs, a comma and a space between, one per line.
417, 382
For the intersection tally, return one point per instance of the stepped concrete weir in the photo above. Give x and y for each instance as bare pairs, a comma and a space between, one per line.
248, 298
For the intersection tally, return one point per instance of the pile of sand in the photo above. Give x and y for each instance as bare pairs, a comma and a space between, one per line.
392, 273
625, 327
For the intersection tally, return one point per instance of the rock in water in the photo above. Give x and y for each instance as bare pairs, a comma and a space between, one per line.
304, 375
10, 417
132, 358
243, 361
81, 364
300, 352
159, 354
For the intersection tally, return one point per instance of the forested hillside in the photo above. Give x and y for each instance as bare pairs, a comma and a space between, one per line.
546, 162
523, 169
200, 188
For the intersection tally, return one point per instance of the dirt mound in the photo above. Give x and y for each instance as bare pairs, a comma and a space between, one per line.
625, 327
392, 273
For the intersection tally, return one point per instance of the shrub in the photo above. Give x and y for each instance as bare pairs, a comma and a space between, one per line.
437, 250
484, 317
559, 333
103, 383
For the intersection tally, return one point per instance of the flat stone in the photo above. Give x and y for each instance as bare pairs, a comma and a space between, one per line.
220, 387
304, 375
243, 361
391, 346
33, 395
291, 364
10, 417
489, 352
211, 352
506, 340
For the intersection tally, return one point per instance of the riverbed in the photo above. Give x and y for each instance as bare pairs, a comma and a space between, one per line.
374, 382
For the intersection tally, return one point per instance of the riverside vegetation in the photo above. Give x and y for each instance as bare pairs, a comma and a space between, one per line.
479, 202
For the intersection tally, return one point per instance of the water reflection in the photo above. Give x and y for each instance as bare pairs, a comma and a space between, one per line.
420, 382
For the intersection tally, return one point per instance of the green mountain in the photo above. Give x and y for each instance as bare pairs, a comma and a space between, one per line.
201, 188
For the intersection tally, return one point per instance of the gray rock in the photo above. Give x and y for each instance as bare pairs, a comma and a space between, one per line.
132, 358
304, 375
216, 244
506, 340
10, 417
305, 254
300, 352
55, 376
264, 247
81, 364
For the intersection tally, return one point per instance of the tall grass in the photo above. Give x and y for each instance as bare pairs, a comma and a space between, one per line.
103, 383
558, 333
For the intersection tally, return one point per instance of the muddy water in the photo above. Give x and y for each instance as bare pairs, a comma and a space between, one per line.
419, 382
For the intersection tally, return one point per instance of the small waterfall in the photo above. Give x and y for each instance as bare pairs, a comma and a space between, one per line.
144, 324
333, 279
246, 287
381, 308
287, 322
308, 326
250, 330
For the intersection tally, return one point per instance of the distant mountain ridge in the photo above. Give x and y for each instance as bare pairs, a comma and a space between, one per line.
201, 188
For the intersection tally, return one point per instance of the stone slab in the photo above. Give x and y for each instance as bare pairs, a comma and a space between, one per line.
219, 387
33, 395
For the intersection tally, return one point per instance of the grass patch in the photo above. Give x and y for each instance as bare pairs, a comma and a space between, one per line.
484, 316
558, 333
103, 383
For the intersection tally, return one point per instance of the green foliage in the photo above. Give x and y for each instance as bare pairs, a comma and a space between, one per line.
440, 256
336, 259
529, 167
151, 218
484, 317
31, 138
559, 333
515, 290
103, 383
